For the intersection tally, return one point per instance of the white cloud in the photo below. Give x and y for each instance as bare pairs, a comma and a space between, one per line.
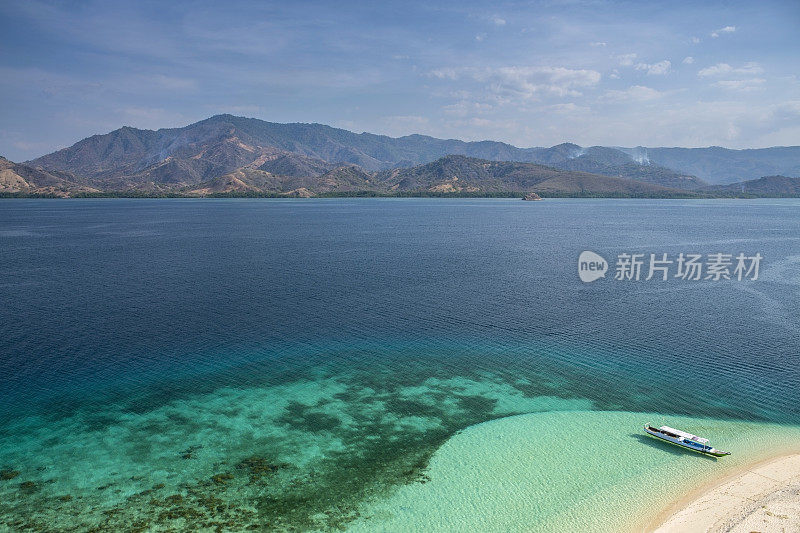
634, 93
726, 29
446, 73
485, 122
558, 81
614, 74
410, 120
715, 70
566, 109
726, 123
626, 60
465, 107
688, 60
657, 69
724, 68
497, 21
747, 85
523, 82
480, 37
598, 44
695, 40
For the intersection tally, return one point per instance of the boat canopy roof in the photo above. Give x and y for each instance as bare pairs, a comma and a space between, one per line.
684, 434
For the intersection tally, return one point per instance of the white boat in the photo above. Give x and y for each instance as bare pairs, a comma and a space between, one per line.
684, 440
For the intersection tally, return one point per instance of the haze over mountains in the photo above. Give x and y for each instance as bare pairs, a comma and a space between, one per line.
228, 154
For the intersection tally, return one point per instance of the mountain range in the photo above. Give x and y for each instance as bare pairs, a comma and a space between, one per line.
225, 154
19, 178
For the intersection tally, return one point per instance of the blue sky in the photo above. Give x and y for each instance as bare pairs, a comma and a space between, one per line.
528, 73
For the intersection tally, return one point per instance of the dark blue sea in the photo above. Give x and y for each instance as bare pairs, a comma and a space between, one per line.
275, 362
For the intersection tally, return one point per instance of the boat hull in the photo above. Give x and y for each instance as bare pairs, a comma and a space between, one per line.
695, 447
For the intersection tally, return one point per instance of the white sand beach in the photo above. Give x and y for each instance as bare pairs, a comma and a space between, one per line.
576, 471
764, 498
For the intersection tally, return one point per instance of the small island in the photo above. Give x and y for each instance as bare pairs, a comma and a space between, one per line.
531, 197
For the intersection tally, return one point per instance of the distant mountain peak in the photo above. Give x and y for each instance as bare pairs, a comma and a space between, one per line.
214, 147
568, 146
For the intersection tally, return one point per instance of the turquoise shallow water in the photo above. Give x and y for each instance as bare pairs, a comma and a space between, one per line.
204, 364
540, 472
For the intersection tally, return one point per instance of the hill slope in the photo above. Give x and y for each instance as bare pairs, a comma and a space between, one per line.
460, 174
16, 178
342, 179
768, 186
176, 158
224, 142
615, 163
180, 157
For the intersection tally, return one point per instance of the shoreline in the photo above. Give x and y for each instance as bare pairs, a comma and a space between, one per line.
506, 475
721, 500
509, 195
